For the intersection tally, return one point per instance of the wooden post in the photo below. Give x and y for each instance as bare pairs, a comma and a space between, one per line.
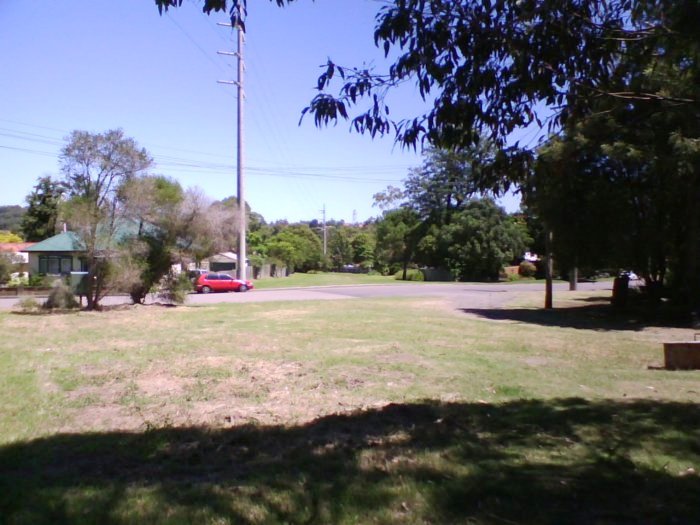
573, 276
549, 270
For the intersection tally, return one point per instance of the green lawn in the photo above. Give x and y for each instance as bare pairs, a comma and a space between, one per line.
335, 279
322, 279
353, 411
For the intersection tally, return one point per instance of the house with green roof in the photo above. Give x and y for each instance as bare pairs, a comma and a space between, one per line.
66, 252
57, 255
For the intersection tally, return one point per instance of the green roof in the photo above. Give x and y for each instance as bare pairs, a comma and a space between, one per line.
71, 242
63, 242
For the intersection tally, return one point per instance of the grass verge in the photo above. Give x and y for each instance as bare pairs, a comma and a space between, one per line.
322, 279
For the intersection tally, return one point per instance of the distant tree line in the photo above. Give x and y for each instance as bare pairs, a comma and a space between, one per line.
11, 218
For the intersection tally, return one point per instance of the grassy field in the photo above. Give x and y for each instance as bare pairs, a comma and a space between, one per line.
381, 411
323, 279
336, 279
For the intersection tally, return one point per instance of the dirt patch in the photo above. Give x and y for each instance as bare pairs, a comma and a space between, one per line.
404, 360
668, 335
221, 391
289, 313
105, 417
161, 384
109, 393
536, 361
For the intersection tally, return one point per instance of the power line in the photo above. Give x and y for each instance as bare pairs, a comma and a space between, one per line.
34, 152
194, 42
173, 160
226, 170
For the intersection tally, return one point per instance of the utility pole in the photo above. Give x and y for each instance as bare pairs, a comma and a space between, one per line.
325, 231
242, 222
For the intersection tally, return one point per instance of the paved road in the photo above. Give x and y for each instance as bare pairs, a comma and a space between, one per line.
463, 295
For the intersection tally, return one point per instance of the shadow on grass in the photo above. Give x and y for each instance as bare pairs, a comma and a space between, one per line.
539, 462
597, 316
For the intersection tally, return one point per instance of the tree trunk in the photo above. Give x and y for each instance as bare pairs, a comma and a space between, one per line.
690, 289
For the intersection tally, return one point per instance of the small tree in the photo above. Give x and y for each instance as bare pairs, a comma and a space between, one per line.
364, 245
94, 167
397, 238
41, 218
481, 240
298, 247
340, 251
154, 205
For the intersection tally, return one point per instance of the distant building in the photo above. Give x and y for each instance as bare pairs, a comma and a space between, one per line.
221, 262
57, 255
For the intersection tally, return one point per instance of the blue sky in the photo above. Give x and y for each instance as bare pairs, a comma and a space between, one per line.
99, 65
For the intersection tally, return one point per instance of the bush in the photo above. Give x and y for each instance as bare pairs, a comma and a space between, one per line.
38, 281
174, 288
19, 279
6, 268
61, 297
411, 275
527, 269
28, 305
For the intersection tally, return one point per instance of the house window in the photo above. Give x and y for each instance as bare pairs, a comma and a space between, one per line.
55, 264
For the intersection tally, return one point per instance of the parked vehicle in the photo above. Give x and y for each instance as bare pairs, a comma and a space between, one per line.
220, 282
193, 275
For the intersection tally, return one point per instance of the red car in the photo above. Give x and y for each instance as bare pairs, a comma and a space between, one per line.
220, 282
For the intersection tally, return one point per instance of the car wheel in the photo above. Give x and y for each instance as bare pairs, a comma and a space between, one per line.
243, 288
206, 289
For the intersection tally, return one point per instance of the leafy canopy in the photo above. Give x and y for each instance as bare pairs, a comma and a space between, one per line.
492, 66
41, 218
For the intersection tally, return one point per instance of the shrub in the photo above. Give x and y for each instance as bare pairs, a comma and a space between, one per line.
37, 280
174, 288
61, 297
28, 305
411, 275
527, 269
6, 268
19, 279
